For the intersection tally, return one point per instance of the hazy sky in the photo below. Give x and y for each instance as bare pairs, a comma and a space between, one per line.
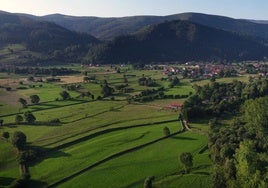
251, 9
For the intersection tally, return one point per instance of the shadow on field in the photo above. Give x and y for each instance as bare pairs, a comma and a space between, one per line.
201, 173
4, 181
45, 153
182, 138
12, 126
201, 167
36, 183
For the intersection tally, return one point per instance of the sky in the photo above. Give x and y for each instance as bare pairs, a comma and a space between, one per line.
247, 9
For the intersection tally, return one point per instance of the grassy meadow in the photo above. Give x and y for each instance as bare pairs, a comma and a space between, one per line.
99, 142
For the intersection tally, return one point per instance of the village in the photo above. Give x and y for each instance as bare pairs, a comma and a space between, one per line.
205, 70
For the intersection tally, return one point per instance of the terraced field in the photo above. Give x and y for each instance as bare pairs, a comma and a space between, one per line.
104, 142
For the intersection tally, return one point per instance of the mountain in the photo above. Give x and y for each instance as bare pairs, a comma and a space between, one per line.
102, 28
41, 36
260, 21
178, 41
108, 28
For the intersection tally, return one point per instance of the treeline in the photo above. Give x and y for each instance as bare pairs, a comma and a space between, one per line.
39, 71
239, 152
214, 99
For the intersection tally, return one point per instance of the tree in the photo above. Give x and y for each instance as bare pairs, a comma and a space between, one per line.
35, 99
247, 165
187, 160
107, 90
1, 122
175, 81
18, 119
23, 102
125, 79
6, 135
148, 183
166, 131
65, 95
29, 117
18, 140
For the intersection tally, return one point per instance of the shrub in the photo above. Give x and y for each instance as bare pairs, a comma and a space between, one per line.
166, 131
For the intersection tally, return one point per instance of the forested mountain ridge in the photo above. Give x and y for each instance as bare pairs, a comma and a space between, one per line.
108, 28
168, 41
178, 41
41, 36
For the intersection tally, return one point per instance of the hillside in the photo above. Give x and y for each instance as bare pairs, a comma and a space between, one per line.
108, 28
178, 41
44, 37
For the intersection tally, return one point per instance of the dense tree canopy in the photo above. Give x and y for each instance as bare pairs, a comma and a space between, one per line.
35, 99
29, 117
187, 160
18, 139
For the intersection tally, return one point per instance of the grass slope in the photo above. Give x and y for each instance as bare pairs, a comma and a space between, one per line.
131, 169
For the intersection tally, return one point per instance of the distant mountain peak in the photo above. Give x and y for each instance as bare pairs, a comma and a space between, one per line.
178, 41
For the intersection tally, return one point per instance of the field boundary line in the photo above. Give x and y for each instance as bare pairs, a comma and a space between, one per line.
113, 156
85, 138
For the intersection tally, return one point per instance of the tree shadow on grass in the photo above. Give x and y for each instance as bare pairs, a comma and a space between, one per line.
182, 138
45, 153
201, 167
5, 181
36, 183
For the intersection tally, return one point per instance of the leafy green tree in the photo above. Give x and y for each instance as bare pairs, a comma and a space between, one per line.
23, 102
229, 170
256, 114
6, 135
18, 119
175, 81
107, 90
65, 95
1, 122
247, 165
187, 160
35, 99
29, 117
217, 177
18, 140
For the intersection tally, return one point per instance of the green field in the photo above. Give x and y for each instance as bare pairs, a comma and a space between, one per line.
160, 159
103, 142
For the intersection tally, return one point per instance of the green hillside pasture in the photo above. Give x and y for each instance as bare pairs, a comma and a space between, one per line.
102, 119
189, 180
48, 92
183, 89
86, 153
15, 53
86, 118
93, 88
50, 110
243, 78
7, 158
66, 114
159, 160
6, 109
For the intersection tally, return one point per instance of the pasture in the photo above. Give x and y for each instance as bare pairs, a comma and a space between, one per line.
99, 142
